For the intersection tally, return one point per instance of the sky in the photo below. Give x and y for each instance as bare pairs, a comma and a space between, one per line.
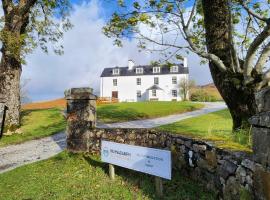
87, 53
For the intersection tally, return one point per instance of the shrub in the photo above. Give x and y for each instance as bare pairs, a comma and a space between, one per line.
203, 96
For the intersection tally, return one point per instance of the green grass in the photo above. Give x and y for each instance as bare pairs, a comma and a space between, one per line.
215, 127
142, 110
69, 176
37, 124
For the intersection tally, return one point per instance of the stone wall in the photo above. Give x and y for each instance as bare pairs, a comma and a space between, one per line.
234, 175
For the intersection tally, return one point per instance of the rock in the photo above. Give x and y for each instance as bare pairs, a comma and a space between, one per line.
211, 158
232, 189
261, 147
227, 169
263, 99
262, 183
179, 141
248, 164
119, 139
132, 136
199, 148
188, 143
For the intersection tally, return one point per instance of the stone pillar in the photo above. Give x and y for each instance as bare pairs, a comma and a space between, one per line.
261, 128
81, 117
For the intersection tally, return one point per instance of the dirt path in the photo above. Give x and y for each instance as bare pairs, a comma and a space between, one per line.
35, 150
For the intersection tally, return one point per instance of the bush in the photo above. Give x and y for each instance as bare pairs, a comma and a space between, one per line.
203, 96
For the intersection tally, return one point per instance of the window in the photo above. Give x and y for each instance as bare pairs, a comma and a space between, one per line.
174, 69
116, 71
139, 94
156, 81
139, 81
156, 69
174, 93
154, 93
139, 70
114, 82
174, 80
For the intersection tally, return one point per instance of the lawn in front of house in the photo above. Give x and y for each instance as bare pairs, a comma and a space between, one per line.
121, 112
36, 124
77, 176
215, 127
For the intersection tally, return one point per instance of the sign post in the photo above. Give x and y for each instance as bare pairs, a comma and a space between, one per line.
111, 171
159, 186
152, 161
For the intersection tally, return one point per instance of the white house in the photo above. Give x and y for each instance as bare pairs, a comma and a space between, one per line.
143, 83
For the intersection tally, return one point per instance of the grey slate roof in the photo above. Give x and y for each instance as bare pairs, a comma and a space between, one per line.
147, 70
155, 87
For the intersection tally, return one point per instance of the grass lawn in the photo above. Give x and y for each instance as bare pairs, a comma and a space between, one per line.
216, 127
37, 124
142, 110
69, 176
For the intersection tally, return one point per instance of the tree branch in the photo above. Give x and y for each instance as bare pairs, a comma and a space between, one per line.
254, 14
215, 59
192, 13
263, 58
251, 54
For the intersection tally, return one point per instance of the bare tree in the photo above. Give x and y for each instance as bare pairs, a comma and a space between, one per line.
185, 85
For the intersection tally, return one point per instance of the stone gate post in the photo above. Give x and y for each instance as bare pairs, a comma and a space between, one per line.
261, 145
261, 128
81, 117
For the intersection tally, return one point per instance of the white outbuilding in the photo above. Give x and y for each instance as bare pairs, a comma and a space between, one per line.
144, 83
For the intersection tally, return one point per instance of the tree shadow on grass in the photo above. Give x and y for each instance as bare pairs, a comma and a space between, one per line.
179, 188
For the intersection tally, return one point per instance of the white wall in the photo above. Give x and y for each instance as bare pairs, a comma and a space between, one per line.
127, 87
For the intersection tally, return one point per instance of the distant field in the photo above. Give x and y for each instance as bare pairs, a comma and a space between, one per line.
120, 112
209, 89
57, 103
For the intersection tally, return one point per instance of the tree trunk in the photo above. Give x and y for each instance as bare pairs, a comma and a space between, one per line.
10, 73
239, 98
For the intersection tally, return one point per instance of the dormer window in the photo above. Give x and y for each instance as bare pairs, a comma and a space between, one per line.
116, 71
156, 69
174, 69
139, 70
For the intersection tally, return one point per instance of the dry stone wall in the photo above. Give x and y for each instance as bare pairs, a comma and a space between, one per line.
233, 175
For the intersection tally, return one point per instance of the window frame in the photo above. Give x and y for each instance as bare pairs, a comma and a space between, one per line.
174, 94
154, 93
116, 71
156, 70
156, 78
174, 80
138, 81
115, 82
139, 70
174, 69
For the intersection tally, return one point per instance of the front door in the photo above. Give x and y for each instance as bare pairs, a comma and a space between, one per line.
115, 94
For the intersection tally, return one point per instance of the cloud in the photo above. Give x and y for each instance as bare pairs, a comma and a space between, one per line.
87, 52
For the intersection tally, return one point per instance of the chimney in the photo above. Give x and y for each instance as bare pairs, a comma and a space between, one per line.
130, 64
185, 62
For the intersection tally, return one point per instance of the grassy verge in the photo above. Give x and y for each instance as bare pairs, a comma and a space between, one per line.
37, 124
69, 176
216, 127
142, 110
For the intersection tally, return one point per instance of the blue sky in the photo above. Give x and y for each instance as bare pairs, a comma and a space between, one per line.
87, 52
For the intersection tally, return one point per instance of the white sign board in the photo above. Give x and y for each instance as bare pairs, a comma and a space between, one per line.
148, 160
